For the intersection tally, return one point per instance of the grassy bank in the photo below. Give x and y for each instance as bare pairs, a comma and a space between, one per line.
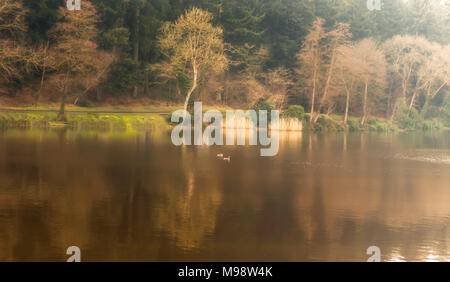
110, 109
148, 118
335, 123
84, 120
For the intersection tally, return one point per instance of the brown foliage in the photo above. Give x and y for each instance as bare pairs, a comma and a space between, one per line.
12, 17
77, 60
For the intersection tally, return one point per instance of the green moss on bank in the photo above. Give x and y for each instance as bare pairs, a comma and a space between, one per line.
89, 121
156, 121
335, 123
105, 109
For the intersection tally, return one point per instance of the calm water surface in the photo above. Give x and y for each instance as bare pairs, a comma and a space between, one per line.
133, 196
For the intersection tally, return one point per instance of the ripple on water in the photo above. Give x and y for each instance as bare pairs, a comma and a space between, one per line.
429, 156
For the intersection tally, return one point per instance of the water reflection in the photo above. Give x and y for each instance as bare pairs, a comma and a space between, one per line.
134, 196
188, 214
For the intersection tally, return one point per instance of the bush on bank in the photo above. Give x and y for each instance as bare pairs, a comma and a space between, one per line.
410, 120
294, 111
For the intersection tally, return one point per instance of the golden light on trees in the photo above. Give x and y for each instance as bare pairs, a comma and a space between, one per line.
310, 60
419, 65
15, 59
372, 64
348, 73
193, 42
12, 17
318, 61
76, 54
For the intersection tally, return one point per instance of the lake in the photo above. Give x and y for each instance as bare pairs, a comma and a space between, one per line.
133, 196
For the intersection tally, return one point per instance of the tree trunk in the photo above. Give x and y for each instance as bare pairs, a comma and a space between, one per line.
327, 84
194, 86
389, 104
347, 105
62, 107
99, 93
311, 117
225, 88
439, 89
405, 84
348, 90
62, 112
38, 94
425, 107
404, 91
364, 117
146, 89
394, 111
413, 99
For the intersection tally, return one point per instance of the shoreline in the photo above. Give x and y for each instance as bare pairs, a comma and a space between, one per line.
87, 120
151, 117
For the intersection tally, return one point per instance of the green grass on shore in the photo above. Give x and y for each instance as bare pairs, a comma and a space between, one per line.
336, 123
132, 118
109, 109
89, 120
105, 109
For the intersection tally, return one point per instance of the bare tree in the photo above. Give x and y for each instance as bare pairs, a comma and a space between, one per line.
405, 56
434, 74
15, 59
256, 90
12, 17
348, 73
278, 83
340, 36
310, 60
372, 64
194, 42
75, 52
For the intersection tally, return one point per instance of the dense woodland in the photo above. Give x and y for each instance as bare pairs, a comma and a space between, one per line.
330, 57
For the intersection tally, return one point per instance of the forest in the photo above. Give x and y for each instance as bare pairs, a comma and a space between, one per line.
330, 63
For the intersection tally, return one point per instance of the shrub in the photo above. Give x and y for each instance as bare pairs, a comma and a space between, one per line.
432, 124
445, 111
85, 104
431, 112
354, 125
375, 124
169, 118
327, 123
372, 121
263, 106
294, 111
407, 119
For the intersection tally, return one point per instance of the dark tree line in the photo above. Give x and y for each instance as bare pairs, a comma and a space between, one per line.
262, 37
